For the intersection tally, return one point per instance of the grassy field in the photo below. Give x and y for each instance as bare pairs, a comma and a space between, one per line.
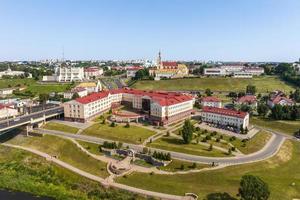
65, 150
91, 147
174, 144
263, 84
23, 171
287, 127
60, 127
133, 134
33, 86
175, 166
279, 172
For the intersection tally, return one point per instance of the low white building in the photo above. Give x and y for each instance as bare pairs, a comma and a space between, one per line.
278, 97
211, 101
6, 91
225, 117
131, 71
9, 72
91, 86
237, 71
8, 111
79, 90
91, 72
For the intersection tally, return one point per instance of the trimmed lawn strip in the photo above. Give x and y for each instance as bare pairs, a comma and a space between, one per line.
91, 147
64, 150
279, 172
60, 127
175, 166
133, 134
174, 144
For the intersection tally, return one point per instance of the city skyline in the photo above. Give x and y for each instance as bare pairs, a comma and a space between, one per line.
126, 30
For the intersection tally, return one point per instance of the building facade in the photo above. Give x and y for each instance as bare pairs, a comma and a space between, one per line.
158, 107
92, 72
236, 71
225, 117
211, 101
66, 74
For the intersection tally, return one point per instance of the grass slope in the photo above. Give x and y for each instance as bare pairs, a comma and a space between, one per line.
23, 171
133, 134
287, 127
65, 150
263, 84
279, 172
60, 127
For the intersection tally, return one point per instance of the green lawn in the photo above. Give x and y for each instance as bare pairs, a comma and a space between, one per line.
133, 134
287, 127
263, 84
60, 127
33, 85
175, 166
174, 144
91, 147
65, 150
24, 171
254, 144
279, 172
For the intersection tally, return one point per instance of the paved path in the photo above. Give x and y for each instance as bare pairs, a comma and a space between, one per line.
269, 150
105, 182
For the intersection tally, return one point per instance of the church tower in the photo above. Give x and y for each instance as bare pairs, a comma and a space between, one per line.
158, 61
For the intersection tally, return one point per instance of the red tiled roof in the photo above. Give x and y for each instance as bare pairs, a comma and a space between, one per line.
91, 69
210, 99
134, 68
163, 98
92, 97
247, 99
224, 111
6, 106
78, 89
169, 64
277, 99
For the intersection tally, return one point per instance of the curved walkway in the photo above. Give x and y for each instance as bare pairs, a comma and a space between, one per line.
269, 149
105, 182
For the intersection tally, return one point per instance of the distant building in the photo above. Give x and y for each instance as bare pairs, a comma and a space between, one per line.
131, 71
66, 74
7, 111
211, 102
236, 71
91, 72
225, 117
9, 72
168, 69
278, 97
79, 90
6, 91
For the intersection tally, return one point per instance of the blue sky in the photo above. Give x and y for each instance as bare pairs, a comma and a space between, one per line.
229, 30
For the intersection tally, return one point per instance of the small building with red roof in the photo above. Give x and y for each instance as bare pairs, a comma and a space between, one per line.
211, 101
249, 100
158, 106
8, 111
91, 72
131, 71
225, 117
278, 97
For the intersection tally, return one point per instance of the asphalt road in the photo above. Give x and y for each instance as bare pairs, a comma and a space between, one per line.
270, 149
21, 120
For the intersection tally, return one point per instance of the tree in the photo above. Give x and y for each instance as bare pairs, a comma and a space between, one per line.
210, 147
296, 95
253, 188
219, 196
251, 89
187, 132
141, 74
43, 98
277, 112
262, 109
208, 92
127, 125
75, 95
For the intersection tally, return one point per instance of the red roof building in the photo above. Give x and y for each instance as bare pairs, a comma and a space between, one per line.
224, 111
247, 99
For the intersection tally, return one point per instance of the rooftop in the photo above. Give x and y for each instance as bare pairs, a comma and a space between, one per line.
224, 111
210, 99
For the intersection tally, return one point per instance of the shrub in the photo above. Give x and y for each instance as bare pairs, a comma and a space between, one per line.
218, 140
208, 137
127, 125
113, 124
197, 129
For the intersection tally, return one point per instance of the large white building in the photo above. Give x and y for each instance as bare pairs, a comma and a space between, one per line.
91, 72
225, 117
66, 74
9, 72
237, 71
159, 107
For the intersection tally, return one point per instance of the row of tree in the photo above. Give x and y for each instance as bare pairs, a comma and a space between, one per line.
161, 156
279, 112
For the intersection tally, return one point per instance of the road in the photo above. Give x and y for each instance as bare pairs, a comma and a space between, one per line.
269, 150
24, 119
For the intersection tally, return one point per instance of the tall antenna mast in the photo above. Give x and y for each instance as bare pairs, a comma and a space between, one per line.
63, 54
